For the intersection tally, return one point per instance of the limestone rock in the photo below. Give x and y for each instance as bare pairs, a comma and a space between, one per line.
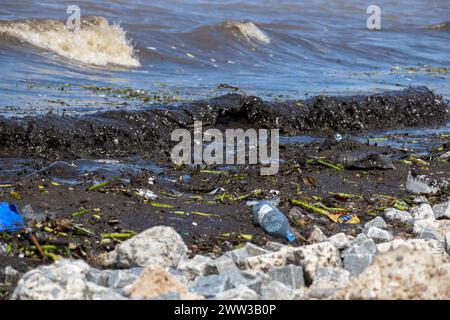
314, 256
317, 235
249, 250
425, 225
328, 281
340, 240
250, 279
158, 245
395, 216
442, 211
377, 222
239, 293
379, 235
212, 285
360, 255
403, 273
277, 291
63, 280
155, 281
221, 265
430, 246
423, 212
290, 275
197, 266
269, 260
121, 278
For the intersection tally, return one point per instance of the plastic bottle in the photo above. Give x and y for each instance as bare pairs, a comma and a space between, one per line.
272, 220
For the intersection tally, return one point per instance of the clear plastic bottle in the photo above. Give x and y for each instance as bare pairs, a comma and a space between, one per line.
272, 220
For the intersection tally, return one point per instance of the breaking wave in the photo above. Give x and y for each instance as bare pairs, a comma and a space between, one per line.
248, 30
97, 42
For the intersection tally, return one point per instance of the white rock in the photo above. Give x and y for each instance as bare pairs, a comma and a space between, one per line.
423, 212
376, 222
277, 291
317, 235
239, 293
212, 285
269, 260
155, 282
423, 225
194, 267
328, 281
253, 250
431, 246
99, 277
360, 255
402, 274
379, 235
442, 210
159, 245
248, 278
301, 294
249, 250
340, 240
63, 280
274, 246
430, 234
121, 278
96, 292
180, 276
395, 216
221, 265
290, 275
443, 227
315, 256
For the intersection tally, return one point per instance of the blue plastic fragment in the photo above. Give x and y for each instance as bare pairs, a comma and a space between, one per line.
345, 218
10, 219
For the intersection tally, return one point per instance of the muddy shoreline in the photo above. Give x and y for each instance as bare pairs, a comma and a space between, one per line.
82, 222
147, 133
207, 206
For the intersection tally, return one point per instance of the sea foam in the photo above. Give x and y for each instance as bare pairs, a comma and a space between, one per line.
97, 42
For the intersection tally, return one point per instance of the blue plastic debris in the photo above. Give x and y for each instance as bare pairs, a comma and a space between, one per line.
10, 219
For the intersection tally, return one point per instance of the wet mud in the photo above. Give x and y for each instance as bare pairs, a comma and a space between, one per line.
147, 133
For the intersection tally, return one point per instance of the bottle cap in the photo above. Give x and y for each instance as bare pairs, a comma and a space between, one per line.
290, 236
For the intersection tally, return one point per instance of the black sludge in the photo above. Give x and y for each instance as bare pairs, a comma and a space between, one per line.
147, 133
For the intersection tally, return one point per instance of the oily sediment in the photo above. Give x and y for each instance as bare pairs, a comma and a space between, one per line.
147, 133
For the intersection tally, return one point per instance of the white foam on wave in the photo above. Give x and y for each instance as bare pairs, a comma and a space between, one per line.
97, 42
249, 31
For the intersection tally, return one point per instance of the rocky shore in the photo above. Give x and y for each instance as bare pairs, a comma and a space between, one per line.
373, 265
